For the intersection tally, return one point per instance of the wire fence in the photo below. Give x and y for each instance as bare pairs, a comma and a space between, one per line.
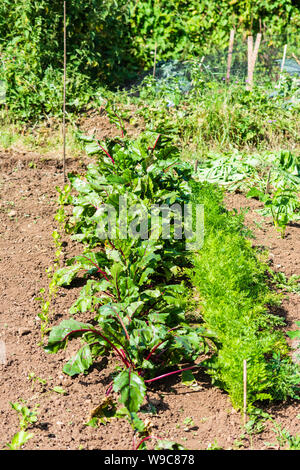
267, 66
270, 63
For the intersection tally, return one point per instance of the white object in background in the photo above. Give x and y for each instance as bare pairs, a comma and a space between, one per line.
2, 353
2, 92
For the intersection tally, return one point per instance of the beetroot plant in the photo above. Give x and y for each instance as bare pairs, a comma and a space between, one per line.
135, 287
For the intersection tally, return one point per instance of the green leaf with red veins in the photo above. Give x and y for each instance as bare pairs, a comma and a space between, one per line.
132, 389
64, 276
81, 186
87, 299
66, 328
168, 445
92, 148
79, 363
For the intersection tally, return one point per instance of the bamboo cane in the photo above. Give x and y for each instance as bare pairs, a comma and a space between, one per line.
64, 103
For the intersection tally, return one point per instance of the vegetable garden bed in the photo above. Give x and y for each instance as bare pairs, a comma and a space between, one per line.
196, 415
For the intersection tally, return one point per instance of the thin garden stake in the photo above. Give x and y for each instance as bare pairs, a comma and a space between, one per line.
229, 60
65, 80
283, 60
245, 390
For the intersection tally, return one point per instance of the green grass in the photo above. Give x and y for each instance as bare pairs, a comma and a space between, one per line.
218, 118
212, 118
43, 138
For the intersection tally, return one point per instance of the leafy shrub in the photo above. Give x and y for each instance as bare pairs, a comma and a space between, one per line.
189, 28
31, 48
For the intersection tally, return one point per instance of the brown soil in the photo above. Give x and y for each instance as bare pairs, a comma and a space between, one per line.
27, 207
98, 124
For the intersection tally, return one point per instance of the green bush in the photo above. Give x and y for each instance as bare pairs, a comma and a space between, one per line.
189, 27
31, 48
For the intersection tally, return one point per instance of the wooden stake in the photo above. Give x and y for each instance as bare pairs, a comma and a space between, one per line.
296, 59
252, 56
245, 391
256, 47
154, 64
230, 50
65, 80
250, 51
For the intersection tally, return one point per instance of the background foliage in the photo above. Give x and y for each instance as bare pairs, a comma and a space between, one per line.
110, 41
195, 27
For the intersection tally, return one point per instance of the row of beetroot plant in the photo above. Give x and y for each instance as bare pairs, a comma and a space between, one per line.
135, 290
